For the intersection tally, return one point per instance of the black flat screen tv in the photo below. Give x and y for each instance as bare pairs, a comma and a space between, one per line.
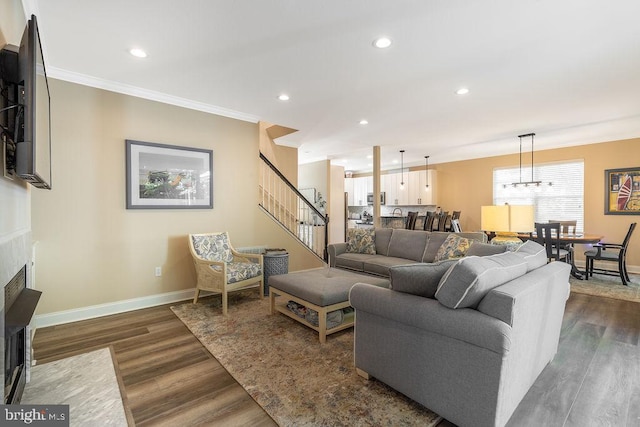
33, 143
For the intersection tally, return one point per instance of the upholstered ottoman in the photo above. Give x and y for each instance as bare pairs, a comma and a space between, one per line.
323, 290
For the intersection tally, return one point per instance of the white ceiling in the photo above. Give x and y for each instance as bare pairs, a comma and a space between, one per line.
567, 70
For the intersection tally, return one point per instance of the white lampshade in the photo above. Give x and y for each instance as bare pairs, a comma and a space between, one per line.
522, 218
507, 218
494, 218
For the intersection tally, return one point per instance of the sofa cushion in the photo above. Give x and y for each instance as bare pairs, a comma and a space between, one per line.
533, 253
419, 279
453, 246
383, 237
485, 249
471, 278
380, 264
361, 241
408, 244
352, 261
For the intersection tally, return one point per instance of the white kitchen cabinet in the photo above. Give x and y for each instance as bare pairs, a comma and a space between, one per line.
348, 188
391, 186
357, 188
428, 195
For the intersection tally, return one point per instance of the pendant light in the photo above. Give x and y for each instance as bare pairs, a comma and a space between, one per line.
533, 183
426, 171
402, 169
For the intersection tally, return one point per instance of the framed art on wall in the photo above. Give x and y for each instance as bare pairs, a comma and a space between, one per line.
161, 176
622, 191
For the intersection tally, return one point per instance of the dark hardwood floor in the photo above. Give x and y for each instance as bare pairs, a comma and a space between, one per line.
168, 378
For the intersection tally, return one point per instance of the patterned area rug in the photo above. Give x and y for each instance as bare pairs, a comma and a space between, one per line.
608, 286
283, 366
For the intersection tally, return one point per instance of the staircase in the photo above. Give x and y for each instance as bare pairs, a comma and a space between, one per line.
287, 206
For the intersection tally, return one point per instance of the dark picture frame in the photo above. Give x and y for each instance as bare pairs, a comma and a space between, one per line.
161, 176
622, 191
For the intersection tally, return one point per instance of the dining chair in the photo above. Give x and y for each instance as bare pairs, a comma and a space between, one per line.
566, 227
548, 235
428, 221
443, 217
455, 215
411, 220
221, 269
455, 226
616, 252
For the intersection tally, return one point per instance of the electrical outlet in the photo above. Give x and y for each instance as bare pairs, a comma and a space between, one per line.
158, 271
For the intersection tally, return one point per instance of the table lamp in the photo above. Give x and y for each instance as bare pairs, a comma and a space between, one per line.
506, 221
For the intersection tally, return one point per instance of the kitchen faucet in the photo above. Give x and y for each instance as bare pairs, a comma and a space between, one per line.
394, 212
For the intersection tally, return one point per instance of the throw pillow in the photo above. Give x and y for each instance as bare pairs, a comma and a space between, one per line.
471, 278
419, 279
361, 241
453, 246
485, 249
533, 253
214, 247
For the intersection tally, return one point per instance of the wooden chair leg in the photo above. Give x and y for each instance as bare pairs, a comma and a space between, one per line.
224, 301
195, 297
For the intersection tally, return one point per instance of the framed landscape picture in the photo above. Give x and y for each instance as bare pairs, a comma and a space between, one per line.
163, 176
622, 191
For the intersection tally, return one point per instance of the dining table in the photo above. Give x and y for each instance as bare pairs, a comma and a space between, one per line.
570, 239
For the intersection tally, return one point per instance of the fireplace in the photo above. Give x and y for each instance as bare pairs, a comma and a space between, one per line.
20, 303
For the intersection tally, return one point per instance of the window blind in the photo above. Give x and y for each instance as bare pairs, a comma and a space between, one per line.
563, 200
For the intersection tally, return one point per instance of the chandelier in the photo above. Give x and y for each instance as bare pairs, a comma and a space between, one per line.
531, 183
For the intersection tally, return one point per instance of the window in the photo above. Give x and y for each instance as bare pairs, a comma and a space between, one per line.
563, 200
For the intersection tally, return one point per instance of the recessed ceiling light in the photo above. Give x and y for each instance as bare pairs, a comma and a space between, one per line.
283, 97
462, 91
138, 53
364, 122
382, 42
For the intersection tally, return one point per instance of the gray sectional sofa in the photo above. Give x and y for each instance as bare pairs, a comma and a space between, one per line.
465, 338
394, 247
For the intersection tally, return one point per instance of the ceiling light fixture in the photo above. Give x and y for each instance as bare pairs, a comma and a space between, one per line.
382, 42
138, 53
462, 91
283, 97
364, 122
426, 171
533, 183
402, 169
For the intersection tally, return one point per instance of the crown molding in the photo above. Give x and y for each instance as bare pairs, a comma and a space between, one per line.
85, 80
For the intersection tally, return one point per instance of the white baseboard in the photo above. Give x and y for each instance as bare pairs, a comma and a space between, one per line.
74, 315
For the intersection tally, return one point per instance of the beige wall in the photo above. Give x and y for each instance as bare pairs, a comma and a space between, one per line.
91, 250
468, 185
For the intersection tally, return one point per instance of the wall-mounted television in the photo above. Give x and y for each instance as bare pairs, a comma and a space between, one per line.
33, 151
25, 93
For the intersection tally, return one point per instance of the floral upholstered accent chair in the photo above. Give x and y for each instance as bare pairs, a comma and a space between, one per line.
220, 269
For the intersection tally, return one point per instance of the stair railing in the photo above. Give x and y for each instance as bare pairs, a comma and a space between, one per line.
286, 205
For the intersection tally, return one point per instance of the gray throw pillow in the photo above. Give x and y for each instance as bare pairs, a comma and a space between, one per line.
471, 278
533, 253
419, 279
485, 249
